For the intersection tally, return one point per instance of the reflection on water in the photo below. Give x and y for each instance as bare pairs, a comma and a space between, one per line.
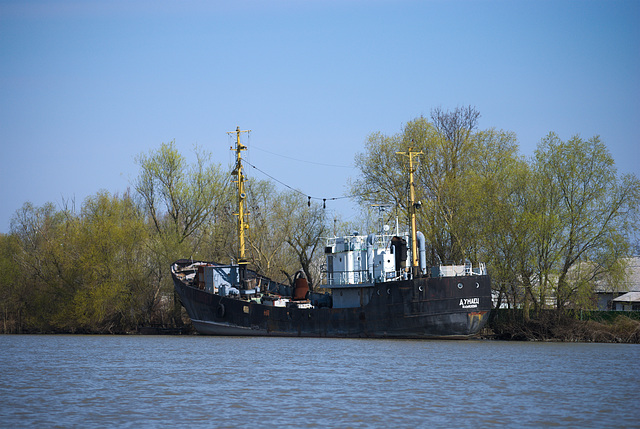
196, 381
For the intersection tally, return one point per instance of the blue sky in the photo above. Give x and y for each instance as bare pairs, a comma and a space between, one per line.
85, 86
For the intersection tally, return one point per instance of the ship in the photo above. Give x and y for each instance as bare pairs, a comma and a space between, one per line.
376, 285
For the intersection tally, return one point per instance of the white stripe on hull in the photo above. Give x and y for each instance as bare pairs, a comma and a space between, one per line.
214, 328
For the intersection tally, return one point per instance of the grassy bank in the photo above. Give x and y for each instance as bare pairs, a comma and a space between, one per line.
550, 325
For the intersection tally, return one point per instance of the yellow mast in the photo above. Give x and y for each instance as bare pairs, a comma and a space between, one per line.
237, 171
412, 207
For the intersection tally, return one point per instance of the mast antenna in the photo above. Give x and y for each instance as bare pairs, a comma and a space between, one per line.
412, 208
243, 220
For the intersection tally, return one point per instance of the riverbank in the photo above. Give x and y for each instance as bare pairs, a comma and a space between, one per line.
504, 324
578, 326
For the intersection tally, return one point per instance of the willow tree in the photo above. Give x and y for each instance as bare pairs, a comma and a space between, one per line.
111, 248
180, 198
82, 271
593, 214
45, 255
496, 213
454, 153
183, 202
12, 287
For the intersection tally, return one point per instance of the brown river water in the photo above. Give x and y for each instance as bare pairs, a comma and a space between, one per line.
197, 381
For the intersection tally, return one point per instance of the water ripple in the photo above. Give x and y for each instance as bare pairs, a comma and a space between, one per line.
133, 381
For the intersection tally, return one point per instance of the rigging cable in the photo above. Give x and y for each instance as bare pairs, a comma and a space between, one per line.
302, 160
324, 200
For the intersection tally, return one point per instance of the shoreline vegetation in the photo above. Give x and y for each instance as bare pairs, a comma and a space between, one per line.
504, 325
566, 326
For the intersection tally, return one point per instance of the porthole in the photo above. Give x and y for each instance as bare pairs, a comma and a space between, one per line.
378, 291
388, 291
420, 288
477, 285
460, 285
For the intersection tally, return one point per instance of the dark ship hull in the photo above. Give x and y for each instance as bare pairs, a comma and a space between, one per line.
425, 307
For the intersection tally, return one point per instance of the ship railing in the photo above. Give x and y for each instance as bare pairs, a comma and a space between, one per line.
459, 270
362, 277
348, 277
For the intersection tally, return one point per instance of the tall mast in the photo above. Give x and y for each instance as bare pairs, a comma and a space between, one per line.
237, 171
412, 208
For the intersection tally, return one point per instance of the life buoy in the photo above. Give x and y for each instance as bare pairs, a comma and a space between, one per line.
220, 311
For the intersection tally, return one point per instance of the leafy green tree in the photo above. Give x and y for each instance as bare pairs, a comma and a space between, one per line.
180, 198
184, 203
84, 272
46, 257
380, 172
304, 226
115, 294
12, 286
496, 212
453, 154
448, 144
596, 213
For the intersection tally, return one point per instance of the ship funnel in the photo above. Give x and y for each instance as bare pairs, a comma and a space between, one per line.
300, 286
